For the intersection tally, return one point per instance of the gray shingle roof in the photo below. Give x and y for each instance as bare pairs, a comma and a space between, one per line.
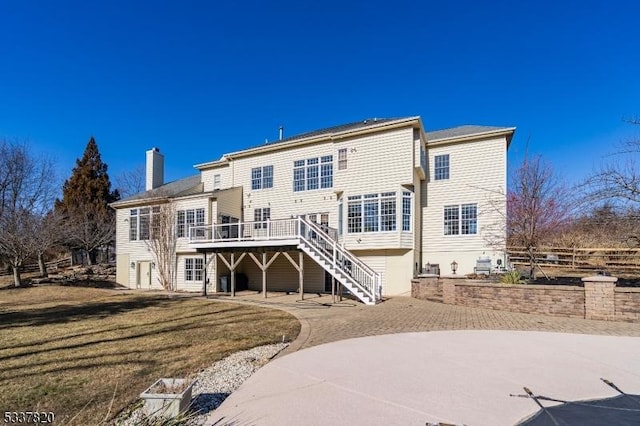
334, 129
460, 131
187, 186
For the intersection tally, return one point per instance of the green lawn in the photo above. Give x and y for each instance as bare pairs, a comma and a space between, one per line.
73, 350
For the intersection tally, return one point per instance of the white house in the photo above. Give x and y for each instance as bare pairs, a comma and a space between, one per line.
366, 205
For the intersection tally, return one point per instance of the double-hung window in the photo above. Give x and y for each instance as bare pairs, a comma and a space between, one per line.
451, 220
326, 171
342, 159
216, 181
441, 167
371, 204
354, 213
461, 220
388, 211
193, 269
298, 176
133, 225
469, 219
262, 177
313, 173
406, 210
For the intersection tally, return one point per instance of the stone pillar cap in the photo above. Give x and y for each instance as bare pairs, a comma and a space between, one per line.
600, 278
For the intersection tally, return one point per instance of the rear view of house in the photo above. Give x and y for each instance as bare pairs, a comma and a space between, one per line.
364, 205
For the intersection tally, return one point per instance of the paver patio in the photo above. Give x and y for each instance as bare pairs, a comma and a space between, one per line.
324, 322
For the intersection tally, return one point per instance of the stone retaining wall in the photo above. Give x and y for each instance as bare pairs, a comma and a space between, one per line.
627, 304
598, 299
426, 287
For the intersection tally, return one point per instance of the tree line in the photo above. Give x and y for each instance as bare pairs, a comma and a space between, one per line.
601, 211
33, 220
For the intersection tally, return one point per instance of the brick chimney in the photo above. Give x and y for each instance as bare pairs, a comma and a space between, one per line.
155, 169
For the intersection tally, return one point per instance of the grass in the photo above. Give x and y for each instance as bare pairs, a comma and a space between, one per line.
73, 350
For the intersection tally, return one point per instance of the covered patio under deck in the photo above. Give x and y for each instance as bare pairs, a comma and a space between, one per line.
263, 257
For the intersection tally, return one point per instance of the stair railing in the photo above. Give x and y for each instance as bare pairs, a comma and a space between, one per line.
341, 259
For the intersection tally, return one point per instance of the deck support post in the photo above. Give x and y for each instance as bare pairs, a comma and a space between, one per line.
232, 268
204, 276
333, 289
301, 275
233, 275
264, 265
264, 275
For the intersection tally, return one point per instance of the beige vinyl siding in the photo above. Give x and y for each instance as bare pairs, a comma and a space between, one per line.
376, 260
193, 286
399, 272
192, 203
207, 177
122, 269
376, 163
136, 250
394, 266
477, 171
282, 275
281, 199
229, 203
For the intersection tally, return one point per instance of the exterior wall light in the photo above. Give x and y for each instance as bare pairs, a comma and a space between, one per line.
454, 267
133, 265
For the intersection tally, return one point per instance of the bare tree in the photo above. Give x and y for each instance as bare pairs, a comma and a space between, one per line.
617, 180
162, 243
91, 230
538, 206
131, 182
26, 193
50, 231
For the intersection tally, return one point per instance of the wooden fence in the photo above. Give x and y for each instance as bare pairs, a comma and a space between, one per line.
51, 267
610, 259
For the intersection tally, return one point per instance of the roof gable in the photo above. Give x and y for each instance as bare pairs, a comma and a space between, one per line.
464, 131
178, 188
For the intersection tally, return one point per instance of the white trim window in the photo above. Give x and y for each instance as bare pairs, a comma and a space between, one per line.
406, 210
187, 218
326, 171
193, 269
441, 167
342, 159
260, 216
140, 223
133, 225
262, 177
469, 219
371, 212
461, 219
216, 181
313, 173
354, 214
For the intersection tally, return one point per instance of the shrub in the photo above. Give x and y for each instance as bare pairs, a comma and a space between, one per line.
512, 277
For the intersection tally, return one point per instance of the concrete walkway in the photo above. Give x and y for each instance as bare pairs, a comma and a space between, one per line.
460, 377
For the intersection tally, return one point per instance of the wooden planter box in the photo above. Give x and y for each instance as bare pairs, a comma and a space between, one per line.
167, 397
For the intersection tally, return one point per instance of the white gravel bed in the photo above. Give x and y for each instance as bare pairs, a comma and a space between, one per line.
214, 384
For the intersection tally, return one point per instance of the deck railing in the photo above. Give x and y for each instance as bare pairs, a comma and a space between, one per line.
316, 236
278, 229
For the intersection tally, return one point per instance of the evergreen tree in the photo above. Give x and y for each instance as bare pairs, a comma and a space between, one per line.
85, 203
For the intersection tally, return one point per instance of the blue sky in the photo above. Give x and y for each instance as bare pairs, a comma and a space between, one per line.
198, 79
